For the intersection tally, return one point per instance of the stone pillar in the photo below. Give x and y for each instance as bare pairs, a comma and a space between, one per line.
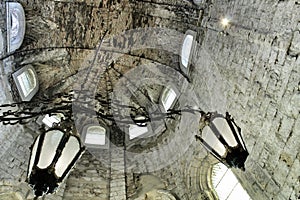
117, 175
117, 167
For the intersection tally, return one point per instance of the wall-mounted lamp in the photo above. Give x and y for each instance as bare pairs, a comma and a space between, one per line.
222, 138
53, 154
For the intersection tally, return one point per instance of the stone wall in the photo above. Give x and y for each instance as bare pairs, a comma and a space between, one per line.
249, 68
259, 67
15, 153
89, 180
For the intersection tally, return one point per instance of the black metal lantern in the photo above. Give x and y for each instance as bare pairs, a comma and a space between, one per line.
222, 137
53, 154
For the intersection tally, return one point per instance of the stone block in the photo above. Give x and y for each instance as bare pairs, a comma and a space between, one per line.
272, 188
262, 176
285, 128
293, 178
281, 173
294, 49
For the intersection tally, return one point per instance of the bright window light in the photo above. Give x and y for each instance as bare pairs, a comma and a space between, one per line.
95, 135
226, 184
50, 120
168, 98
27, 81
1, 42
15, 23
136, 131
186, 50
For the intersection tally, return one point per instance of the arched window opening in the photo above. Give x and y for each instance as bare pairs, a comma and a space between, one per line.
26, 82
15, 25
226, 184
186, 50
168, 98
95, 135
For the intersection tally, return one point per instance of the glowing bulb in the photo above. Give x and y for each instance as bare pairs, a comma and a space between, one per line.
225, 22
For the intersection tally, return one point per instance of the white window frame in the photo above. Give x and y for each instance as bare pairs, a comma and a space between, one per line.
15, 43
95, 145
165, 90
185, 68
19, 75
226, 184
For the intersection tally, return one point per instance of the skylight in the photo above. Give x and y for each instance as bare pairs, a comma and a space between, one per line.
95, 135
226, 184
168, 98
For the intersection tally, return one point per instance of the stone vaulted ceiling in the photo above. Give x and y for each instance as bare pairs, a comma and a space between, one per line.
128, 51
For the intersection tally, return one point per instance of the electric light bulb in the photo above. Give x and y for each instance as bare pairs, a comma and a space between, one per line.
225, 22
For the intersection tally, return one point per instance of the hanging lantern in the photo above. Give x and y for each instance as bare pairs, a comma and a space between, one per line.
53, 154
222, 138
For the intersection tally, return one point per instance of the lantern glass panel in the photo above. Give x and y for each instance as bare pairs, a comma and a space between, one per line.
210, 138
33, 155
71, 149
50, 145
224, 129
239, 136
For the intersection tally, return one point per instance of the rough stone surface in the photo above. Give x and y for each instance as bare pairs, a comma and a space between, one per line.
89, 180
250, 68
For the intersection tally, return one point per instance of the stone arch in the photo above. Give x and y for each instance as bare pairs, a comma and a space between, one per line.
198, 177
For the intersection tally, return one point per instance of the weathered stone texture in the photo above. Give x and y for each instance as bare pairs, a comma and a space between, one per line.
14, 152
250, 68
259, 75
89, 180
